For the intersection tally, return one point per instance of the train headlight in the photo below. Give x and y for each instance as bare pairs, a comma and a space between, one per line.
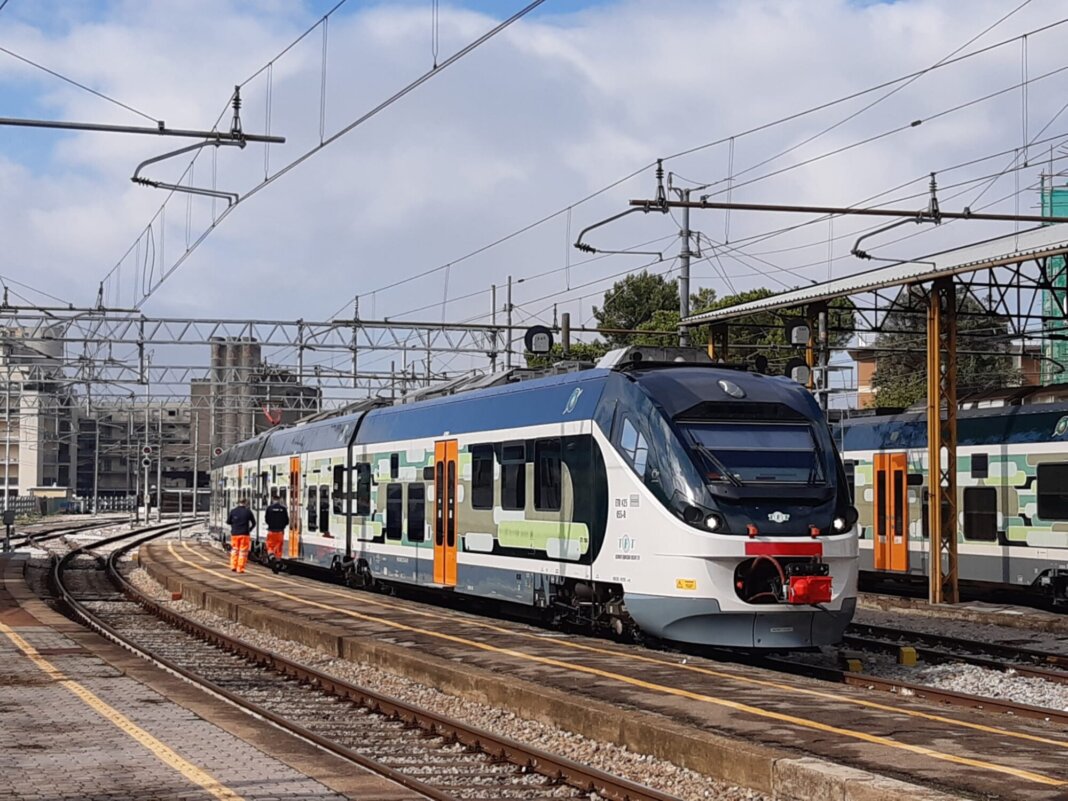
713, 522
846, 521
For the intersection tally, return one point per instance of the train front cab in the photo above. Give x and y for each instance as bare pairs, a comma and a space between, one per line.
722, 527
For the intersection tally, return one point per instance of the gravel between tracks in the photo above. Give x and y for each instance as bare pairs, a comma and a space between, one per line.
974, 680
641, 768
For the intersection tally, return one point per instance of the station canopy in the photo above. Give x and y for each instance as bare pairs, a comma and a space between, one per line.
1035, 243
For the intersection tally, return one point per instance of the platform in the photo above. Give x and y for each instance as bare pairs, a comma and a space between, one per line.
81, 718
738, 724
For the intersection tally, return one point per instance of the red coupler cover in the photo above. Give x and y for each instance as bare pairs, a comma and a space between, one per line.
808, 590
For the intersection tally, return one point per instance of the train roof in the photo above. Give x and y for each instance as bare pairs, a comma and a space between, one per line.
702, 391
676, 387
322, 435
247, 451
986, 426
572, 396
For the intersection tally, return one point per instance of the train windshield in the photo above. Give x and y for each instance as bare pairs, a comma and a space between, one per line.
754, 452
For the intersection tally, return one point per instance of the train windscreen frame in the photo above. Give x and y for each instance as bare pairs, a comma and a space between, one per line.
755, 452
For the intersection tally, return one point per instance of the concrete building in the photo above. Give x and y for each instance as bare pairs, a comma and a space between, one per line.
246, 396
37, 448
1028, 362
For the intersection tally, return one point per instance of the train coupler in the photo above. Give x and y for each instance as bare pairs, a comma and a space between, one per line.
808, 583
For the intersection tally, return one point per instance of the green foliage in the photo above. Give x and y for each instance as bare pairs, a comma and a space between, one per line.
648, 302
633, 302
983, 361
580, 352
760, 333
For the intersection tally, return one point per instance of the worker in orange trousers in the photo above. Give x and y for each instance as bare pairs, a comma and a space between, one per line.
241, 522
277, 519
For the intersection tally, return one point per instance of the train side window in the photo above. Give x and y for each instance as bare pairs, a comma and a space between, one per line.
514, 476
394, 510
633, 445
416, 512
313, 509
339, 489
363, 489
980, 465
394, 465
547, 475
1053, 491
324, 510
981, 513
915, 479
481, 476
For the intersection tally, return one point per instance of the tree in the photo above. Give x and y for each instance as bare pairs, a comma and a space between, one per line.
580, 352
983, 361
761, 333
632, 303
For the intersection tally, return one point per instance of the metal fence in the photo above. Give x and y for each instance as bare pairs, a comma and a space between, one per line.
26, 505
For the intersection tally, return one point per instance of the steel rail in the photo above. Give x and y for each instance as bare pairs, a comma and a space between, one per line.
35, 537
936, 655
1012, 652
549, 765
866, 681
553, 767
953, 698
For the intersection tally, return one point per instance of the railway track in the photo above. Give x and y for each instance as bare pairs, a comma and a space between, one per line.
49, 534
867, 681
939, 642
889, 641
441, 758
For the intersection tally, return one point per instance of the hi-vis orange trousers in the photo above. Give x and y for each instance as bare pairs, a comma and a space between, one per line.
274, 543
239, 545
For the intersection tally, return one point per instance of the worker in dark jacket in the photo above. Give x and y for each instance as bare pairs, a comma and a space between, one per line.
277, 519
241, 522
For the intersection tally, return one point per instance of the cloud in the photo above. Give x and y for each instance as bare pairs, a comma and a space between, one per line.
554, 108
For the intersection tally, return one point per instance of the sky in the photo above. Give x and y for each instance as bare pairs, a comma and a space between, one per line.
552, 110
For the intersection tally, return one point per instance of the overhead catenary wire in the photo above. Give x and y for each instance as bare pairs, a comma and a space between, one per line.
166, 272
747, 132
72, 82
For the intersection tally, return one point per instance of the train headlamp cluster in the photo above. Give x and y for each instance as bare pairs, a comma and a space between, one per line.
713, 522
839, 524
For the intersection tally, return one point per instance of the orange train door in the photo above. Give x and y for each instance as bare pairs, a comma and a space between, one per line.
445, 512
294, 507
891, 512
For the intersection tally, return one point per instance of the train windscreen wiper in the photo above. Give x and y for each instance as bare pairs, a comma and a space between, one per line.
716, 463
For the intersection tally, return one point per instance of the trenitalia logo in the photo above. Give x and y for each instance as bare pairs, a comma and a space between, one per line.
778, 517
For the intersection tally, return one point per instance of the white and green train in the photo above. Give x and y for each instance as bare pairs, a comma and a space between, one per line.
1012, 502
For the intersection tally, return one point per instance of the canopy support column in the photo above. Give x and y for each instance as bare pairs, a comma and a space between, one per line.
942, 440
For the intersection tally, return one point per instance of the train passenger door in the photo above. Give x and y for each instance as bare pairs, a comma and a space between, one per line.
445, 477
294, 507
891, 543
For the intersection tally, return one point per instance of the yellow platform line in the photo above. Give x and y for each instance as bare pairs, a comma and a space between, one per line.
635, 657
158, 749
646, 685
